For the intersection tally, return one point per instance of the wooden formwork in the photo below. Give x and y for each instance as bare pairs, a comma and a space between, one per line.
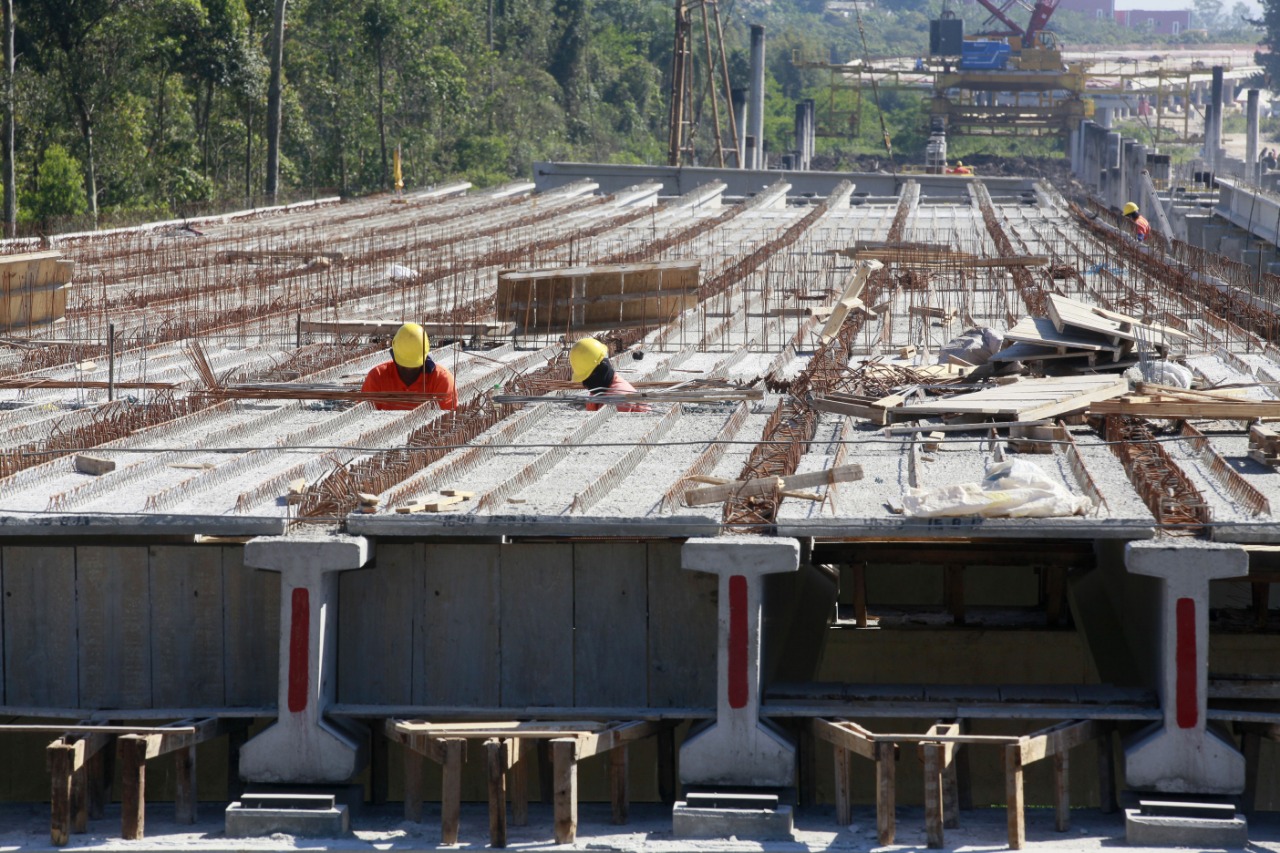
938, 748
510, 746
33, 289
596, 298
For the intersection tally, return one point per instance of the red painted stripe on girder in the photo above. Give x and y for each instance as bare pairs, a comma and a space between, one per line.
1185, 663
737, 641
299, 640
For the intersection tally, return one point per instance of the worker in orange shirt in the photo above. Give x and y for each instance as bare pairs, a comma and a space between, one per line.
1141, 227
589, 360
411, 371
959, 169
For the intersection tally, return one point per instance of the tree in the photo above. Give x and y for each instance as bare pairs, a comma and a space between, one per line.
9, 175
60, 187
274, 102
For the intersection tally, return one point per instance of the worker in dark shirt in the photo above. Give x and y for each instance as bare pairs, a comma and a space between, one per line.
1141, 227
411, 371
589, 360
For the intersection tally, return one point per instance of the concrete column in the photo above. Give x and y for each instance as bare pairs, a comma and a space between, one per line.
1216, 97
1180, 755
800, 137
755, 106
740, 117
1105, 116
749, 149
811, 132
302, 746
739, 748
1252, 171
1209, 147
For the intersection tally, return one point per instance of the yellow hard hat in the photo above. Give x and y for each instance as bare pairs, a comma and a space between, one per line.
410, 346
1130, 207
585, 357
959, 162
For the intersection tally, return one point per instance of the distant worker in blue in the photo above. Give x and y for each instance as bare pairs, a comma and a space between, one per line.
1141, 227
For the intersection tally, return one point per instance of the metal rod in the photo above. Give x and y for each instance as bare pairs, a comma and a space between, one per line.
111, 361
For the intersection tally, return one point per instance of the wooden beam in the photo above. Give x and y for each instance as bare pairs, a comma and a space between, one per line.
62, 760
886, 795
768, 485
844, 786
454, 750
564, 759
619, 797
382, 328
933, 812
1013, 794
846, 735
1056, 739
498, 759
133, 750
413, 785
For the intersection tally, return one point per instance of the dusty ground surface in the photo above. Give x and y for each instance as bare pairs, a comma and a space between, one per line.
25, 828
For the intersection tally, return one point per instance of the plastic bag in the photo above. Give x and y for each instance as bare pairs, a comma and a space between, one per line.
1011, 489
1160, 372
399, 272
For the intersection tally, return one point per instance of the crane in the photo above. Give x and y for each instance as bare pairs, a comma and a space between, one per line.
1041, 12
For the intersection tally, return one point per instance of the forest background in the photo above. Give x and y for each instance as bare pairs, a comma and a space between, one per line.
128, 110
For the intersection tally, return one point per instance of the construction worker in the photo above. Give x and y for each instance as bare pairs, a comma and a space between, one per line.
589, 360
959, 169
411, 371
1141, 227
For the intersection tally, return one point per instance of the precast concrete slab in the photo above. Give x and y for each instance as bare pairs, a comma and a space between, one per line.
302, 815
741, 824
1145, 827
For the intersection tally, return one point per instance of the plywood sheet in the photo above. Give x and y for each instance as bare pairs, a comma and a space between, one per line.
1041, 332
375, 627
1028, 399
1070, 316
41, 659
459, 658
113, 609
683, 626
537, 625
251, 626
598, 297
610, 594
187, 659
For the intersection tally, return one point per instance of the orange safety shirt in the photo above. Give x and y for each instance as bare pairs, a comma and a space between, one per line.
616, 387
1141, 226
437, 384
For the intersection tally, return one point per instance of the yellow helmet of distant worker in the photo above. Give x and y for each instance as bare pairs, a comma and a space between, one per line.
410, 346
959, 162
585, 357
1129, 207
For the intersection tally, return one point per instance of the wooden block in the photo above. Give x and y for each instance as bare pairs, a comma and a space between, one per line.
192, 466
907, 352
1263, 458
440, 504
458, 493
367, 499
416, 506
932, 440
95, 465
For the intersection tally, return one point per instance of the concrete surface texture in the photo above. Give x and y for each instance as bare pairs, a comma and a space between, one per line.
25, 830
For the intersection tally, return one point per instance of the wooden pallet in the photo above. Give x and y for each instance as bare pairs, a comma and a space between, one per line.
1029, 399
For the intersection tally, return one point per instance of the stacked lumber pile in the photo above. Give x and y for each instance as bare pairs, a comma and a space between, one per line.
1162, 401
1076, 334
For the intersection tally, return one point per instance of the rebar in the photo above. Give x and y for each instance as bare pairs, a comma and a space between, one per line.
1166, 490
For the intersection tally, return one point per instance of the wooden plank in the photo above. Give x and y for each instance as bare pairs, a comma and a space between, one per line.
451, 789
886, 797
768, 485
564, 759
619, 797
497, 753
1056, 739
375, 637
132, 750
582, 298
61, 760
492, 328
846, 735
113, 610
610, 617
1149, 408
1061, 792
1041, 332
187, 655
848, 300
41, 657
184, 797
1028, 399
537, 624
519, 780
843, 793
413, 785
457, 627
683, 620
1065, 312
1013, 792
251, 631
933, 814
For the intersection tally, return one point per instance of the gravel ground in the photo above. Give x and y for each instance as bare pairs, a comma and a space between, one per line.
25, 827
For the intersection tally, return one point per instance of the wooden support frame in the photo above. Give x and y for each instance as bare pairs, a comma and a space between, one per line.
938, 749
134, 750
509, 752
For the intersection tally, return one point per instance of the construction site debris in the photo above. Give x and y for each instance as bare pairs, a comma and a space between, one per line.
973, 346
1010, 489
933, 254
95, 465
771, 485
1162, 401
1264, 445
1029, 399
1160, 372
850, 299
